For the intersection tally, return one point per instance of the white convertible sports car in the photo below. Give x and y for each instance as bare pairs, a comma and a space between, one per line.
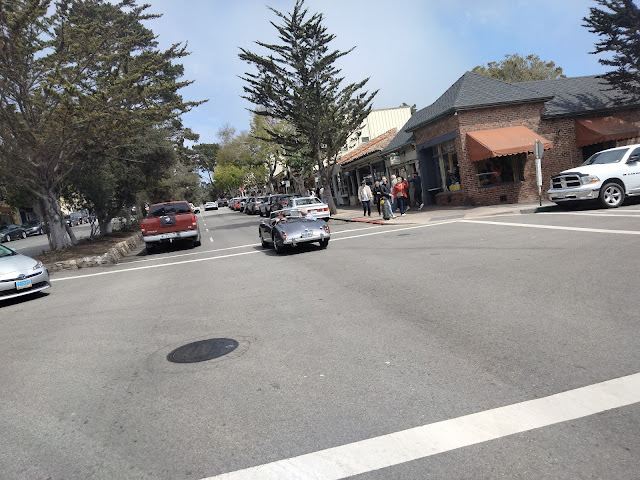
312, 205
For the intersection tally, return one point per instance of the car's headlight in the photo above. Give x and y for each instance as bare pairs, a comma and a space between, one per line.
37, 266
587, 179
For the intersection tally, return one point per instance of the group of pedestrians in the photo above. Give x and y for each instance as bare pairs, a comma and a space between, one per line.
394, 194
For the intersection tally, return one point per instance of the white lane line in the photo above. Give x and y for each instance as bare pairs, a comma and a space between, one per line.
394, 230
111, 272
594, 214
211, 239
553, 227
420, 442
207, 229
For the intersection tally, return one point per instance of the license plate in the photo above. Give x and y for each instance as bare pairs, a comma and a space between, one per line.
23, 284
172, 235
307, 233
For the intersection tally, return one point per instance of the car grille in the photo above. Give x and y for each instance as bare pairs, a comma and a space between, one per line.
566, 181
23, 278
5, 293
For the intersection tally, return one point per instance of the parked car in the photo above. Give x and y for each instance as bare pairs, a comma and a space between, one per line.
12, 232
211, 206
34, 227
281, 201
296, 229
243, 203
194, 208
223, 202
252, 206
608, 176
312, 205
237, 204
20, 275
264, 209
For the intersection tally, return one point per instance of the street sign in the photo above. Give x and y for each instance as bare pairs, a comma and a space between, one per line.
538, 149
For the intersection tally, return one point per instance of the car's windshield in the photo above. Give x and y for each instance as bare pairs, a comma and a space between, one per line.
5, 252
170, 209
304, 201
32, 223
608, 156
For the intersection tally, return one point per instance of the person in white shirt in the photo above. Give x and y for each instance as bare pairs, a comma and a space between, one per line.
365, 196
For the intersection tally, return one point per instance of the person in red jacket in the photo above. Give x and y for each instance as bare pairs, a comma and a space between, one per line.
400, 194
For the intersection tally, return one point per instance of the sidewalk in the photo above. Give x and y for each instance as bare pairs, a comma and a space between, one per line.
433, 213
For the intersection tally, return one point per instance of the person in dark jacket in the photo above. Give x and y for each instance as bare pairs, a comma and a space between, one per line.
417, 189
385, 191
377, 195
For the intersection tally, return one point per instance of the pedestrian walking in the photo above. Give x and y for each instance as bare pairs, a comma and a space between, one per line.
386, 198
377, 195
417, 189
365, 196
394, 203
400, 194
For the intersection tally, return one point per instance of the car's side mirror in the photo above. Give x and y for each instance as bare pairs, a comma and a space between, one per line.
634, 158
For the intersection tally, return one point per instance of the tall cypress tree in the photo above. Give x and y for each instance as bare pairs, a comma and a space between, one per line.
618, 23
299, 82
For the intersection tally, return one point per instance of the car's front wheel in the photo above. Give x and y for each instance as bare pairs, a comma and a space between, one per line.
24, 235
324, 243
264, 243
611, 195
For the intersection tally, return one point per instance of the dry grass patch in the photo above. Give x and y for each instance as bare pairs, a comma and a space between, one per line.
85, 248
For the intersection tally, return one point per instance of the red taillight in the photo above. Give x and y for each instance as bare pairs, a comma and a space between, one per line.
194, 221
284, 236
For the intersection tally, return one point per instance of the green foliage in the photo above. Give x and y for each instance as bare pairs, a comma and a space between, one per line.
618, 25
515, 68
85, 80
228, 178
206, 157
299, 82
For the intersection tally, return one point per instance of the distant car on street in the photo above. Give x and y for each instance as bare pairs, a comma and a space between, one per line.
34, 227
312, 205
21, 275
253, 205
294, 230
195, 208
210, 206
12, 232
223, 202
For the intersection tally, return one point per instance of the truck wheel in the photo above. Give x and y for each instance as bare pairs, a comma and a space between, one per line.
150, 248
197, 242
611, 195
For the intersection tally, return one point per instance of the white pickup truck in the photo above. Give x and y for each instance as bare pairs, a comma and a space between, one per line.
608, 176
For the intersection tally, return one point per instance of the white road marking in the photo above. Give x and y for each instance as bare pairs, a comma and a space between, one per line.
554, 227
211, 239
111, 272
596, 214
122, 270
420, 442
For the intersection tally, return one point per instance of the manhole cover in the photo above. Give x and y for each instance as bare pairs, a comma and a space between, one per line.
203, 350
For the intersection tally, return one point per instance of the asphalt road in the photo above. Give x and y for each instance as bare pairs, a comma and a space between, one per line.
499, 347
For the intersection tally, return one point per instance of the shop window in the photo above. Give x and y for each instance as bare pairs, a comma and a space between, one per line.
447, 161
497, 170
364, 139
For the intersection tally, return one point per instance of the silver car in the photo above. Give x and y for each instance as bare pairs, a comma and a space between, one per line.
294, 229
20, 275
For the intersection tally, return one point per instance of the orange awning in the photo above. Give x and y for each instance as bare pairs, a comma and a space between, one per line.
599, 130
497, 142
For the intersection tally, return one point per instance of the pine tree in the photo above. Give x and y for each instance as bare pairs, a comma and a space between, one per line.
618, 24
299, 82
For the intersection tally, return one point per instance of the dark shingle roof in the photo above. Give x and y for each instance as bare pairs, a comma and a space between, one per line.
473, 91
579, 95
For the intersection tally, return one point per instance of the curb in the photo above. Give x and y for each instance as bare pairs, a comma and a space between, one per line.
377, 222
113, 255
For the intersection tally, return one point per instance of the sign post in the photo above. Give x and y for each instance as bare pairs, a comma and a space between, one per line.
538, 150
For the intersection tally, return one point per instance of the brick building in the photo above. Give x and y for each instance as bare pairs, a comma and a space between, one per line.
474, 144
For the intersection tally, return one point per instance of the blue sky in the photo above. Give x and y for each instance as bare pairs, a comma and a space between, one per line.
412, 50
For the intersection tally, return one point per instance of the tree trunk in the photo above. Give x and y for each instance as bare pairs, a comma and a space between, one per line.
58, 234
128, 217
105, 226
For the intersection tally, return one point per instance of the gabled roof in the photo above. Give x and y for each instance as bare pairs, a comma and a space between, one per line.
402, 139
579, 95
372, 146
474, 91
